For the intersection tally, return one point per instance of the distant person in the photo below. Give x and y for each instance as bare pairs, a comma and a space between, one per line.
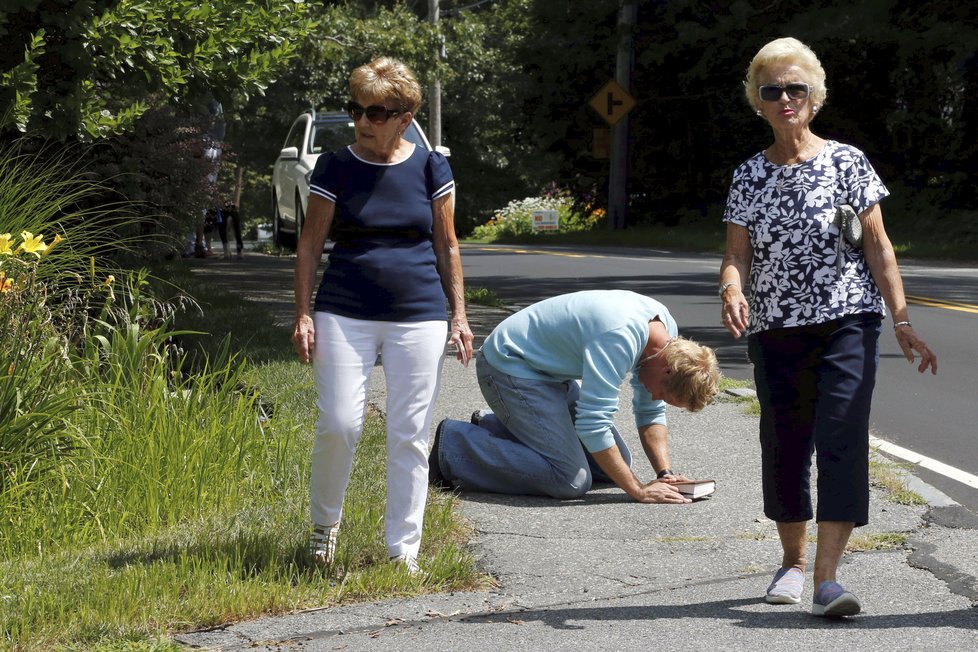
212, 149
229, 215
813, 318
551, 374
388, 205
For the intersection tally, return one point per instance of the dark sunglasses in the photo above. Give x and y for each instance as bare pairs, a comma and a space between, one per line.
772, 92
376, 113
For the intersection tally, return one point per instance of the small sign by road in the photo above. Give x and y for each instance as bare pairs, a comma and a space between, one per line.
545, 220
612, 102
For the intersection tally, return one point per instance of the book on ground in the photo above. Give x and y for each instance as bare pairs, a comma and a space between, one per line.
696, 488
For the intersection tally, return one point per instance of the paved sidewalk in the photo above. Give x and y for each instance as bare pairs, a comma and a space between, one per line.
604, 573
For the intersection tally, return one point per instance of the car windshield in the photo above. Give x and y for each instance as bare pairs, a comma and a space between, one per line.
331, 136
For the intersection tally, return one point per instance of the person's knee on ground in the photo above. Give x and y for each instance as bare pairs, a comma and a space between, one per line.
569, 485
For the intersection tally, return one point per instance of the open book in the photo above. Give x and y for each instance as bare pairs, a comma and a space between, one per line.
696, 488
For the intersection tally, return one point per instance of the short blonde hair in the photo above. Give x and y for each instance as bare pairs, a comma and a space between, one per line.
695, 377
790, 51
385, 78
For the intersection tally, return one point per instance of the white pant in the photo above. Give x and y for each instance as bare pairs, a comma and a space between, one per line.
344, 356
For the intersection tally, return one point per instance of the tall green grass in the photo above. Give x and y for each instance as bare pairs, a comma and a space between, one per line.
153, 479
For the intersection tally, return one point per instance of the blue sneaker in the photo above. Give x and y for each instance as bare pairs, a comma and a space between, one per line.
833, 601
786, 587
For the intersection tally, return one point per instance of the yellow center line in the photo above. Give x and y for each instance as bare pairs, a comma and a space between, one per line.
941, 303
921, 301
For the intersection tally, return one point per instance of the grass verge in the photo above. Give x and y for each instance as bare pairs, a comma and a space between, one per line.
708, 234
887, 476
483, 297
228, 559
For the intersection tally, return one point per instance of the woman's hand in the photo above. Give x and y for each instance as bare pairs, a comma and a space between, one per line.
734, 312
461, 337
733, 271
304, 337
909, 342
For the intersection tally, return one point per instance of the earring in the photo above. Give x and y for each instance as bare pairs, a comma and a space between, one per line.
815, 108
759, 113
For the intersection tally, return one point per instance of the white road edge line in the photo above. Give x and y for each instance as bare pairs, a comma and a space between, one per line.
908, 455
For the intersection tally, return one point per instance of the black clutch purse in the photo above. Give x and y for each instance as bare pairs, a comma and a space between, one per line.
850, 228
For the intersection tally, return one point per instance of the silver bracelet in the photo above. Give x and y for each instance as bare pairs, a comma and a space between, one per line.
902, 323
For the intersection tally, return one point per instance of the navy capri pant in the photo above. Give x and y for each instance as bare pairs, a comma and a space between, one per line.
815, 386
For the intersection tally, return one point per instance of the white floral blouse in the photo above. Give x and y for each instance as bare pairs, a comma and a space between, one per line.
789, 212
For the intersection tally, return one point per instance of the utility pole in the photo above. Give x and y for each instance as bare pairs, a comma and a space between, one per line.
618, 169
434, 93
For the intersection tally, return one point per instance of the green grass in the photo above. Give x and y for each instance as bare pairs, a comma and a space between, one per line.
750, 404
692, 236
709, 235
191, 508
886, 476
483, 297
878, 541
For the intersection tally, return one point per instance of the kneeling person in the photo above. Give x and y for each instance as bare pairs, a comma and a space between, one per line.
551, 374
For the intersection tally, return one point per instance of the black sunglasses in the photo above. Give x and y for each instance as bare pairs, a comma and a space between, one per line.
376, 113
795, 91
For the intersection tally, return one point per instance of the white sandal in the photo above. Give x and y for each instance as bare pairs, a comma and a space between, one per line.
322, 543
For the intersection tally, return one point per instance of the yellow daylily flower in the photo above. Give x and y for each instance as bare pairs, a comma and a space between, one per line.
54, 243
109, 280
5, 244
32, 244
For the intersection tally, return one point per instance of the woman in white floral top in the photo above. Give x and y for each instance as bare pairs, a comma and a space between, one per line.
813, 316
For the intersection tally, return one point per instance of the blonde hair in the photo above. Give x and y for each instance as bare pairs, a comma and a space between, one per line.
695, 377
385, 78
791, 51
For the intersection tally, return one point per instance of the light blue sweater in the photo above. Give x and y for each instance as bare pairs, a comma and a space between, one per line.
595, 336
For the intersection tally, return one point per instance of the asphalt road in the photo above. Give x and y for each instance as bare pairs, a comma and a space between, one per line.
935, 416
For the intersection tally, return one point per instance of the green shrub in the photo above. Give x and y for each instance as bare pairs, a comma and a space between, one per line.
516, 218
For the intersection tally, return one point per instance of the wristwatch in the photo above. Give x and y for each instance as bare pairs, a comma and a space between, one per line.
725, 286
663, 473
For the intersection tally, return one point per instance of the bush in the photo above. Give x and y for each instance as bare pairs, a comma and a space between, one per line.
516, 218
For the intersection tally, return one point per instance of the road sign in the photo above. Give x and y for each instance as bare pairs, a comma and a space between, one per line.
612, 102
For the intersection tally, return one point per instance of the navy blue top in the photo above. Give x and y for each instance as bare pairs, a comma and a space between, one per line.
382, 266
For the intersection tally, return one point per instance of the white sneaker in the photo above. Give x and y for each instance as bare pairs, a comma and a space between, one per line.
322, 543
409, 562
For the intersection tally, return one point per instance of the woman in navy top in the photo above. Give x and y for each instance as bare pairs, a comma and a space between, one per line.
389, 207
813, 317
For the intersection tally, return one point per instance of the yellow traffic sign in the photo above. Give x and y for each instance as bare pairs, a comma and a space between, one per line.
612, 102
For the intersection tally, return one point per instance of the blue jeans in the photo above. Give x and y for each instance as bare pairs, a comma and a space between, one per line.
527, 445
815, 386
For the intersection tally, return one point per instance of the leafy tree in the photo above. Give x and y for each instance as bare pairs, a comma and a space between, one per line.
87, 69
901, 76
